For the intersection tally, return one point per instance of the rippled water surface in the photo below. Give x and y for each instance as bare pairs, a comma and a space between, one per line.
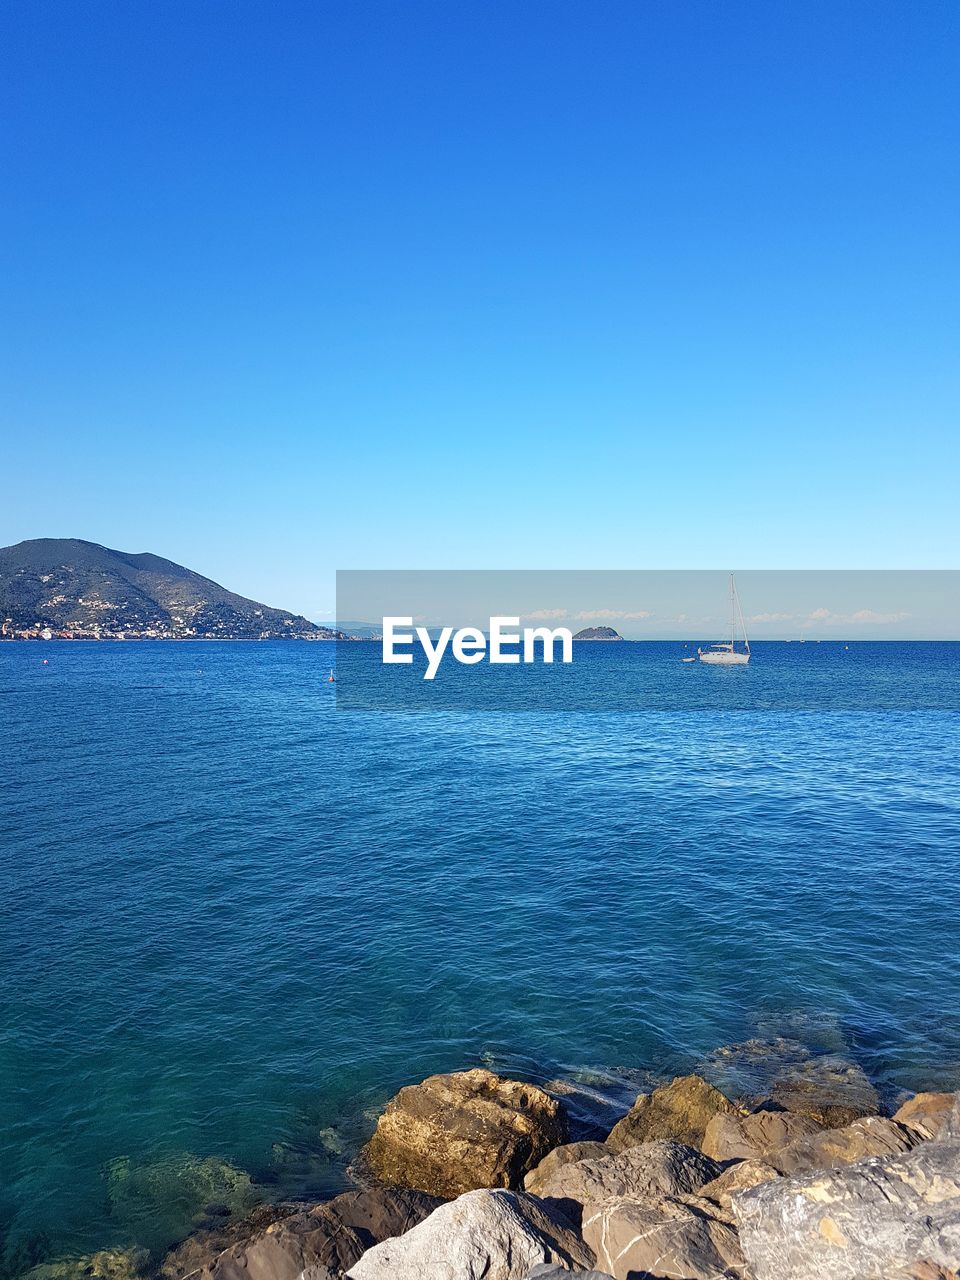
236, 920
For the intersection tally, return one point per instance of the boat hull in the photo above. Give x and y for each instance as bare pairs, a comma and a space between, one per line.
725, 659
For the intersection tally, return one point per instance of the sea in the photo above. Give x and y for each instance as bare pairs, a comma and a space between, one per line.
238, 914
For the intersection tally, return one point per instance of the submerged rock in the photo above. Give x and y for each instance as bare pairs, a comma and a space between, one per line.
323, 1242
106, 1264
595, 1099
667, 1238
868, 1221
927, 1113
831, 1089
163, 1200
464, 1131
482, 1235
679, 1111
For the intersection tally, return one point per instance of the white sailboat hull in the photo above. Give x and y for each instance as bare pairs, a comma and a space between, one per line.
725, 659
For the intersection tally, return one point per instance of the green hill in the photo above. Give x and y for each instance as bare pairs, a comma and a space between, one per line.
77, 587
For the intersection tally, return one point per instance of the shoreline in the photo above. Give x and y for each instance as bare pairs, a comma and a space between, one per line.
825, 1112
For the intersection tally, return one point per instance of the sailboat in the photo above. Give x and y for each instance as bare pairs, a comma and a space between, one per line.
728, 655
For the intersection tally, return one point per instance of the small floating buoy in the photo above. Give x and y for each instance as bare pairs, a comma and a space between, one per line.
46, 663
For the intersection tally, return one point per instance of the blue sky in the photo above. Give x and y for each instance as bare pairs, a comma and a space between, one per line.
291, 287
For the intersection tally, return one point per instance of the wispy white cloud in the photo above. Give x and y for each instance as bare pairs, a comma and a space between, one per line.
607, 615
861, 617
588, 615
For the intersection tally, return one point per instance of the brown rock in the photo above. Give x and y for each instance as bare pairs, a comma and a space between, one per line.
569, 1153
927, 1113
833, 1148
201, 1248
324, 1241
666, 1238
463, 1132
678, 1112
756, 1136
737, 1177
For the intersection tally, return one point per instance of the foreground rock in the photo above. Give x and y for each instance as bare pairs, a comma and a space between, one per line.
679, 1111
464, 1131
651, 1171
927, 1113
324, 1242
483, 1235
667, 1238
880, 1218
546, 1272
569, 1153
737, 1177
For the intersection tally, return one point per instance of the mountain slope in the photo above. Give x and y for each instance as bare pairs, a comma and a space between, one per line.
80, 587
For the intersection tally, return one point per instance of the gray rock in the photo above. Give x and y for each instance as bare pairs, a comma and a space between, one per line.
569, 1153
735, 1178
649, 1171
546, 1272
324, 1242
873, 1219
655, 1239
483, 1235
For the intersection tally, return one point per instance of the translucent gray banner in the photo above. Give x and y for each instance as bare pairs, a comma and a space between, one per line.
642, 640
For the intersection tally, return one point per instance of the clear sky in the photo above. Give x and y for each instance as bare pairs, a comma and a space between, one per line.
290, 287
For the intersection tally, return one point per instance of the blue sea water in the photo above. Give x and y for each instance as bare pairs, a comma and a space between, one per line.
236, 919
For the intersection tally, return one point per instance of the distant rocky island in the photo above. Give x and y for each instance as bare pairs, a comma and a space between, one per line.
68, 589
598, 633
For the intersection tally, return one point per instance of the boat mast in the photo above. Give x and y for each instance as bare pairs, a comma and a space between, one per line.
743, 625
733, 615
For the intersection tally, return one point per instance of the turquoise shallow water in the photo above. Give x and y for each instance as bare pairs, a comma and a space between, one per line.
236, 920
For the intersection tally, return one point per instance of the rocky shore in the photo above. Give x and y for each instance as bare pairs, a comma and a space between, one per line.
473, 1176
